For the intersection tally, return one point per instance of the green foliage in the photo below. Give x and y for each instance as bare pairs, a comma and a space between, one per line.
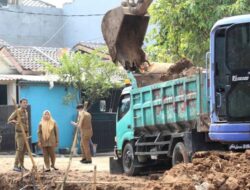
87, 73
182, 27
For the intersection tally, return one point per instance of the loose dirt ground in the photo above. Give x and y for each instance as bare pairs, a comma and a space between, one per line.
80, 175
208, 171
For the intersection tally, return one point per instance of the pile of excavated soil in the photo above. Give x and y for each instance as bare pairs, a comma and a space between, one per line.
182, 68
208, 171
160, 72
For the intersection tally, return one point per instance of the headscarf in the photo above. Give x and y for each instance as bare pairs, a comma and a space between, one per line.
47, 125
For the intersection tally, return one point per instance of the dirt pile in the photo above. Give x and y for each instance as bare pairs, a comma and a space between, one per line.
180, 69
160, 72
208, 171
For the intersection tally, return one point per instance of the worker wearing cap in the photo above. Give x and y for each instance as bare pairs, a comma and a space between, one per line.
127, 82
20, 142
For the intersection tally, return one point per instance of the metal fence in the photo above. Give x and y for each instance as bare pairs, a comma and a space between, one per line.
104, 131
7, 131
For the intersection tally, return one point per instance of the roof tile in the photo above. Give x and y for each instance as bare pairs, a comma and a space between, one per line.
31, 57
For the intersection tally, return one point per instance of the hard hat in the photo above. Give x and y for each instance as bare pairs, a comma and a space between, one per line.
127, 81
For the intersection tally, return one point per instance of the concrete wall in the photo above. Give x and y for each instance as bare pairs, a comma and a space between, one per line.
31, 29
36, 30
85, 28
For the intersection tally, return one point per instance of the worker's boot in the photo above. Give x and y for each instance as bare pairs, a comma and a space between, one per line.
54, 168
17, 169
24, 169
87, 162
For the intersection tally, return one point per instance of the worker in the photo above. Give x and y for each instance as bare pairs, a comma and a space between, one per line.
19, 138
48, 139
85, 126
127, 82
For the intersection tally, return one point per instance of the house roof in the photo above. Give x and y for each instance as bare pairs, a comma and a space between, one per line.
29, 58
92, 45
33, 78
37, 3
89, 47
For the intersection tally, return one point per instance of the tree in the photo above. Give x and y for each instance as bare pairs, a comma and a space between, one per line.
182, 27
87, 73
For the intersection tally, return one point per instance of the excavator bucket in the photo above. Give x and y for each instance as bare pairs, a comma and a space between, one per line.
124, 34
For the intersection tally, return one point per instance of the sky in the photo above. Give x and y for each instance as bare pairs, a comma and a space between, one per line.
57, 3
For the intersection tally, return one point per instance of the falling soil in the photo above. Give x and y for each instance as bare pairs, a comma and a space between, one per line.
208, 171
160, 72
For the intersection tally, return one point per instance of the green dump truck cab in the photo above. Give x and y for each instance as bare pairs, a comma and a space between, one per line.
167, 121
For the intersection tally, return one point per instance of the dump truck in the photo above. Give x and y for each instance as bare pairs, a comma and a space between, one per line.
170, 121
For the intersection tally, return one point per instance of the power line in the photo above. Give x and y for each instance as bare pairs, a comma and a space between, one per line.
46, 14
55, 34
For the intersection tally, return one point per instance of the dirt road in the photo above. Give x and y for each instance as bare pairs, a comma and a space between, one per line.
102, 163
80, 175
208, 171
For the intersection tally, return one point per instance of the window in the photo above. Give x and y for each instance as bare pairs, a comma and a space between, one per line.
124, 105
238, 47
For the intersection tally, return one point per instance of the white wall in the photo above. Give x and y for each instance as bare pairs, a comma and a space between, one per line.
5, 68
11, 91
36, 30
85, 28
31, 29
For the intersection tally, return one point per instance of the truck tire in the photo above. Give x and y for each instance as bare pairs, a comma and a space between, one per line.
129, 160
180, 154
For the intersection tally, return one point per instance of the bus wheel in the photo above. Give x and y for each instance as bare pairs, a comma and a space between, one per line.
129, 160
180, 154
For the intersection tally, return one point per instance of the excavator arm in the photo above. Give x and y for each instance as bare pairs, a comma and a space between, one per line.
137, 8
124, 29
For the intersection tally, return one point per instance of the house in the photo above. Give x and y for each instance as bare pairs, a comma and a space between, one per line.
21, 75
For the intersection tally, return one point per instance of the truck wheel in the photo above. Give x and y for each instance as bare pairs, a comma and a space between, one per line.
129, 160
180, 154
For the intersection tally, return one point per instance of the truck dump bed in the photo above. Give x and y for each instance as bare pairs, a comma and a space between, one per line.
172, 106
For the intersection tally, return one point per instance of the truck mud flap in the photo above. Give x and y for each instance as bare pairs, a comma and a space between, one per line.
115, 166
